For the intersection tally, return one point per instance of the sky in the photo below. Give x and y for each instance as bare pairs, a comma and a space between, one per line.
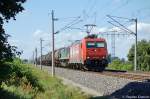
35, 23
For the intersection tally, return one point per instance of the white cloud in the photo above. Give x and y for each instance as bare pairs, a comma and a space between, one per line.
65, 38
97, 30
37, 33
125, 44
143, 30
41, 34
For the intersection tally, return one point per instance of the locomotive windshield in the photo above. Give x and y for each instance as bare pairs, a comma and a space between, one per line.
100, 44
95, 44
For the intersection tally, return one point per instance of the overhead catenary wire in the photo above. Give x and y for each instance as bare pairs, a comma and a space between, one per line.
117, 26
86, 13
68, 24
77, 28
120, 6
67, 18
78, 19
119, 17
124, 28
92, 7
74, 22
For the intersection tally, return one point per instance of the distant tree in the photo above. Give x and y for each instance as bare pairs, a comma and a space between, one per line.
25, 60
115, 58
143, 55
123, 59
8, 10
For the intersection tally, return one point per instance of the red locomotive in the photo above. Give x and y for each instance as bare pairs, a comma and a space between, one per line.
89, 53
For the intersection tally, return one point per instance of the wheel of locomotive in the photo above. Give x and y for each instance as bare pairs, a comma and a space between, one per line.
102, 68
80, 67
77, 66
72, 66
96, 70
103, 65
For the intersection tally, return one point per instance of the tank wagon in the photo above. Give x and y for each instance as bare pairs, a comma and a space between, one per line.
46, 59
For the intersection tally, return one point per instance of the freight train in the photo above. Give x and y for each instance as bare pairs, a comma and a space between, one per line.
90, 53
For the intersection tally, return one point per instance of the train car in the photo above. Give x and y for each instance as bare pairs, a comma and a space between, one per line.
57, 56
64, 56
89, 53
46, 59
75, 52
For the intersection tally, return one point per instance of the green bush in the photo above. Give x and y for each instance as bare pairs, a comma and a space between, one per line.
120, 65
20, 81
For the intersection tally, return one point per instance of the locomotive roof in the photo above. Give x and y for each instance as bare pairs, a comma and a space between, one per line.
94, 39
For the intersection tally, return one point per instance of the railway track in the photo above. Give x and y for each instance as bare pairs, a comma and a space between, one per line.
126, 75
136, 76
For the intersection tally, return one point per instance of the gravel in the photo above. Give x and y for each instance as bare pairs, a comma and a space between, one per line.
105, 85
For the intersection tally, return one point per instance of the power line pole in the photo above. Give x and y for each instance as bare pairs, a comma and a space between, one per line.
41, 53
36, 57
53, 33
135, 51
33, 58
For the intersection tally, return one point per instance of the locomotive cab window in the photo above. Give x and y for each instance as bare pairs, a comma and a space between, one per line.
95, 44
100, 44
90, 44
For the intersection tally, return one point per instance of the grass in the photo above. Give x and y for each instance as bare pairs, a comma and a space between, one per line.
22, 81
119, 65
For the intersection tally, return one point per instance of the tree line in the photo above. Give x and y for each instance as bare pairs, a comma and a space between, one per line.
143, 55
143, 58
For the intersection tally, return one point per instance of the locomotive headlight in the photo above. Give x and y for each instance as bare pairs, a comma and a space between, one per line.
103, 57
88, 57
